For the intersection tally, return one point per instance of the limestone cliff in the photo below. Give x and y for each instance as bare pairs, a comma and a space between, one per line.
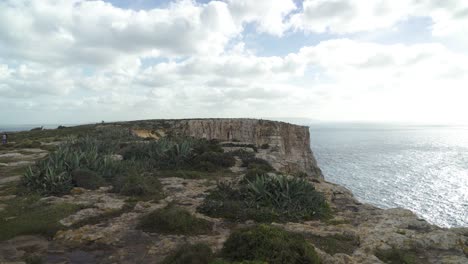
285, 146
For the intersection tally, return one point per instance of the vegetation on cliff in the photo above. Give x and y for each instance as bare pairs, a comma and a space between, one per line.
259, 244
90, 162
270, 244
266, 198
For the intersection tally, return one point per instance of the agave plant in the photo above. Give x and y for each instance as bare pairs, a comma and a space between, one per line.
286, 194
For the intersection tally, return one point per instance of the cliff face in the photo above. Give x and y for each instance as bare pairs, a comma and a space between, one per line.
285, 146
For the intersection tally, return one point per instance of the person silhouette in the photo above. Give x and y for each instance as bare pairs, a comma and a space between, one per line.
4, 138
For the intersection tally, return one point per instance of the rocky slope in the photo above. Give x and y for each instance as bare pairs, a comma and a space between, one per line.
104, 231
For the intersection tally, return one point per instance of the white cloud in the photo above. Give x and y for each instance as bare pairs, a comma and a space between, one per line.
61, 58
449, 17
269, 15
95, 32
368, 81
31, 80
348, 16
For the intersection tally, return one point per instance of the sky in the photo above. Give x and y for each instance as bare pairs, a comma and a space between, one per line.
77, 61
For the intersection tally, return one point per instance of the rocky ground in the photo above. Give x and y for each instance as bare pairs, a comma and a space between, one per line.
103, 231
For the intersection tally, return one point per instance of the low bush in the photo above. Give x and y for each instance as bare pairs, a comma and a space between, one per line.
190, 254
293, 198
242, 154
203, 145
265, 146
87, 179
212, 161
138, 185
47, 180
266, 199
270, 244
174, 220
255, 170
162, 154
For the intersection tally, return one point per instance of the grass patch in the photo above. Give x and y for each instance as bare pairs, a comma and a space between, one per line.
397, 256
174, 220
266, 199
335, 244
270, 244
29, 216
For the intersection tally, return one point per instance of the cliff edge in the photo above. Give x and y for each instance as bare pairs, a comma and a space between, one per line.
285, 146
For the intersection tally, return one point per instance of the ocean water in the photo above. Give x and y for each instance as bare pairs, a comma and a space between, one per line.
421, 168
16, 128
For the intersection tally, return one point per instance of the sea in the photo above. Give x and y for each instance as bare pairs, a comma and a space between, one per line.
420, 168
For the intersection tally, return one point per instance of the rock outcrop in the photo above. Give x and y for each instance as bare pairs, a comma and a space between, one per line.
285, 146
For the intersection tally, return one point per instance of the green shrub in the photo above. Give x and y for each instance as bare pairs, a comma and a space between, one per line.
266, 199
164, 153
53, 175
265, 146
293, 198
212, 161
190, 254
269, 244
255, 170
47, 180
174, 220
135, 151
139, 185
203, 145
87, 179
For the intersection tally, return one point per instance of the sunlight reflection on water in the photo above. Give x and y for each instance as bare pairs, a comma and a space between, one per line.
424, 169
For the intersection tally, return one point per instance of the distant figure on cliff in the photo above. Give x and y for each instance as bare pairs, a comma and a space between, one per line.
4, 138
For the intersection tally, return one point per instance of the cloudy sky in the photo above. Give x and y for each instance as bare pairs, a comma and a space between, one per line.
74, 61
